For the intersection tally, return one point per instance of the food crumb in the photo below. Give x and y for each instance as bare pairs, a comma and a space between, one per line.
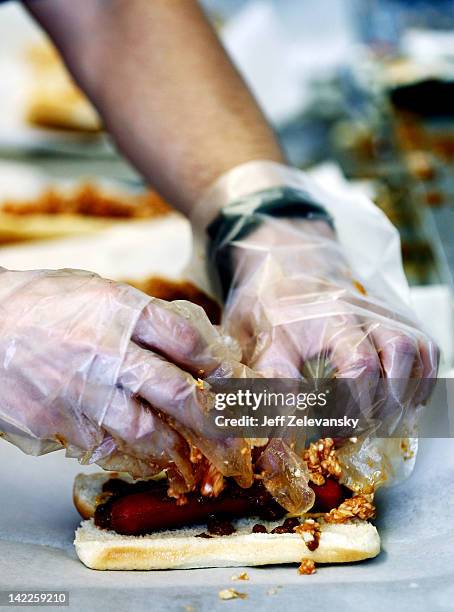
359, 287
307, 567
242, 576
310, 531
407, 452
189, 608
226, 594
322, 461
358, 506
273, 590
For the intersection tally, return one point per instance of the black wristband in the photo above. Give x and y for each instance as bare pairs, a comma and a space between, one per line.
240, 218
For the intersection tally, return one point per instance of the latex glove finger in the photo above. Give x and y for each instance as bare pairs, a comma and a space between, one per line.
277, 353
430, 356
182, 332
286, 477
338, 346
140, 433
403, 368
186, 404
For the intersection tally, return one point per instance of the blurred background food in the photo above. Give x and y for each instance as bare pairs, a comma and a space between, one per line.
366, 96
55, 102
62, 209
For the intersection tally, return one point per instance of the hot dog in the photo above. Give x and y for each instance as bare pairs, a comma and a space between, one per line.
147, 508
144, 507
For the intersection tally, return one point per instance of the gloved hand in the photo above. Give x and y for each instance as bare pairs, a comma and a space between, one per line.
297, 310
110, 374
294, 302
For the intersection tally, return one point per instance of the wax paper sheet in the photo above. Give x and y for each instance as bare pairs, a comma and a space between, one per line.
415, 570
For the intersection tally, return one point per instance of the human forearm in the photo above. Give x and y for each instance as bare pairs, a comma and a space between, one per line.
165, 88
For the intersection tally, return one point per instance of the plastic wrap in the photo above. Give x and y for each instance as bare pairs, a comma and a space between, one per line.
310, 301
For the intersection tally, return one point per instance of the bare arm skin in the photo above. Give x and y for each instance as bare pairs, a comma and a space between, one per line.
165, 88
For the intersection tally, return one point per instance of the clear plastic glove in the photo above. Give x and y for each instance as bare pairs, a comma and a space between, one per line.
110, 374
298, 309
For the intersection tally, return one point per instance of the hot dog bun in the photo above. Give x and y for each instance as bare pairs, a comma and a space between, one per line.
87, 487
181, 549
